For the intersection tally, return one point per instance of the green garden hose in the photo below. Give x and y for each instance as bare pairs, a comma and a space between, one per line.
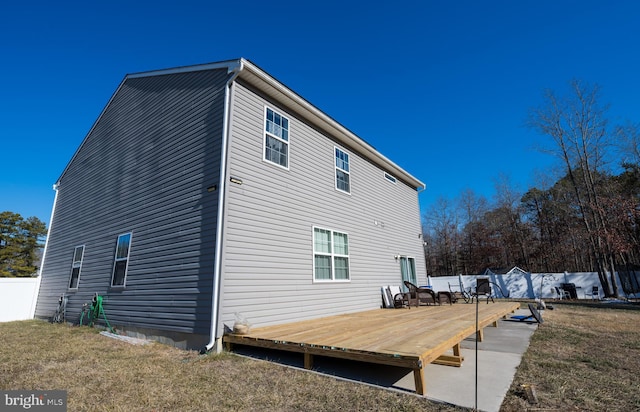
94, 313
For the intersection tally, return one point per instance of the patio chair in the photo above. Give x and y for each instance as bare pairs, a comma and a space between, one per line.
418, 295
392, 297
595, 293
483, 288
458, 294
562, 294
398, 298
445, 296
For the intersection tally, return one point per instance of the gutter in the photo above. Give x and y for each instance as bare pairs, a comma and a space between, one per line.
44, 252
222, 188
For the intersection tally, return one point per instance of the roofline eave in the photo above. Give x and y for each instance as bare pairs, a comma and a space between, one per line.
272, 87
257, 77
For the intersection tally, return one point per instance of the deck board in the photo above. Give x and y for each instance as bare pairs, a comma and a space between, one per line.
409, 338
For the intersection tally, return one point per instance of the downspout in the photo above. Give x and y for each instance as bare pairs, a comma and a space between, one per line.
222, 187
44, 252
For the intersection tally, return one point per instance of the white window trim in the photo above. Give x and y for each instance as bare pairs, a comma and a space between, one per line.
390, 178
415, 268
73, 263
336, 168
332, 254
264, 133
116, 260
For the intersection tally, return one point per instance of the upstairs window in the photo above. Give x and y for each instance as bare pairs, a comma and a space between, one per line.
121, 260
342, 171
276, 138
76, 265
330, 255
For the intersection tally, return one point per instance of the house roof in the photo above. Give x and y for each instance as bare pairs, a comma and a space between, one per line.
269, 86
504, 271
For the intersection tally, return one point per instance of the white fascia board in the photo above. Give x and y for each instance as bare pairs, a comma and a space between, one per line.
230, 65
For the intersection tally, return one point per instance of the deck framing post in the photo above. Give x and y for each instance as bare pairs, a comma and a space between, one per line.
418, 377
308, 361
456, 350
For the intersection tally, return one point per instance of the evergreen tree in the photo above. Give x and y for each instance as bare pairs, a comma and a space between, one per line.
19, 244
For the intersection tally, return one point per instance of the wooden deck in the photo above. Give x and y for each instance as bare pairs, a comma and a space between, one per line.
410, 338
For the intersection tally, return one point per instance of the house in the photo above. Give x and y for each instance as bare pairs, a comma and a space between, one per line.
205, 191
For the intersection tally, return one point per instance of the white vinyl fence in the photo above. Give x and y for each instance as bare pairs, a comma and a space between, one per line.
525, 286
18, 298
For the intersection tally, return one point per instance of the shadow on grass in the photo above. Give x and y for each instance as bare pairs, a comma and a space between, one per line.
600, 304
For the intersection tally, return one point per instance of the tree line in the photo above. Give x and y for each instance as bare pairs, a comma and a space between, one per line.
20, 244
584, 218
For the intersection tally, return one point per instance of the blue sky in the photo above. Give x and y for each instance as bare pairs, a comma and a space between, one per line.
440, 87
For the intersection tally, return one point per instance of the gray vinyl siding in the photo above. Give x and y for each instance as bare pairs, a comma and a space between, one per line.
268, 250
144, 168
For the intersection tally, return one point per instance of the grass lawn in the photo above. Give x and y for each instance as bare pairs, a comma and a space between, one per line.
581, 358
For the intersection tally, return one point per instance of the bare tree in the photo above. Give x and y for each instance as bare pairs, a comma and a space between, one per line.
473, 237
440, 229
628, 138
577, 125
517, 233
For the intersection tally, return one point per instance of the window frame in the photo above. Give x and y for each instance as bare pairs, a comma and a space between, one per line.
117, 260
337, 168
332, 254
267, 134
75, 264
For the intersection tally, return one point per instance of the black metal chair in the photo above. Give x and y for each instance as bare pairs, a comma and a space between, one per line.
483, 288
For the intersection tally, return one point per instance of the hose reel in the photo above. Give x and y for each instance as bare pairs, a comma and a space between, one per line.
94, 311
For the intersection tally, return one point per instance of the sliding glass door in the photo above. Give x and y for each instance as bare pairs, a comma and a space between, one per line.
408, 270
